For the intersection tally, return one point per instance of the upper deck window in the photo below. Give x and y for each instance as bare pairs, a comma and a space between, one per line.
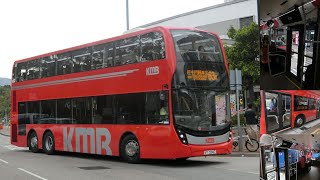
33, 71
21, 72
199, 60
141, 48
196, 46
48, 67
81, 60
64, 63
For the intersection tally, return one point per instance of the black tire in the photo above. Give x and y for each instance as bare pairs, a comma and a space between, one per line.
33, 142
254, 147
130, 141
299, 121
48, 143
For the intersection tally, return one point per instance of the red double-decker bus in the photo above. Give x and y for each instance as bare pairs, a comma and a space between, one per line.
155, 93
284, 109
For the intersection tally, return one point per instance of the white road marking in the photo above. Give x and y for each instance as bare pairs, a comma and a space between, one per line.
32, 174
3, 161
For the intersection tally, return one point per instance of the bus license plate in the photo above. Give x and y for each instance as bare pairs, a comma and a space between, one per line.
209, 152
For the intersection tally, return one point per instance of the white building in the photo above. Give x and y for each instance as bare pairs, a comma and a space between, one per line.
217, 18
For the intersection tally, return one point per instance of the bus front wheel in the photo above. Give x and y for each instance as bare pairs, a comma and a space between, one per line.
48, 144
33, 142
130, 149
299, 121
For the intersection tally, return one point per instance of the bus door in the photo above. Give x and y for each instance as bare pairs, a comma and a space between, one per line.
295, 48
301, 60
277, 55
309, 56
278, 111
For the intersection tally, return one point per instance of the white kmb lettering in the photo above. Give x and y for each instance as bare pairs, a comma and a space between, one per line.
93, 134
152, 70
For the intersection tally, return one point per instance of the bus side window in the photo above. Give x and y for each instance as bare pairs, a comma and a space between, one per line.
147, 47
130, 108
130, 50
159, 48
48, 67
64, 64
117, 58
98, 56
33, 71
81, 60
21, 72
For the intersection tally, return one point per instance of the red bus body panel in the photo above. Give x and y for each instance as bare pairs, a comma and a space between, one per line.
156, 141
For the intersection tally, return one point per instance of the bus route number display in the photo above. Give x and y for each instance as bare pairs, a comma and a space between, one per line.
202, 75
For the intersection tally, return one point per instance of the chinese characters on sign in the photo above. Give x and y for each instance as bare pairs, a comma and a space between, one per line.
202, 75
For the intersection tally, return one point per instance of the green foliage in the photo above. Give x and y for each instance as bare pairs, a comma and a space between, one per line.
244, 53
234, 120
4, 101
232, 32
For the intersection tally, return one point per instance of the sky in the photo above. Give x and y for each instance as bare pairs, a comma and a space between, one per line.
34, 27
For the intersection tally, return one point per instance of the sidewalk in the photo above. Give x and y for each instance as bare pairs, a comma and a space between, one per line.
5, 131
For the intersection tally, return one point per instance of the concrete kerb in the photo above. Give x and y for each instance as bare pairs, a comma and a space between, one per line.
5, 131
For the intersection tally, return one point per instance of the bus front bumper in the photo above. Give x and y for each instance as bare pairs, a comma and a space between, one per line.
209, 150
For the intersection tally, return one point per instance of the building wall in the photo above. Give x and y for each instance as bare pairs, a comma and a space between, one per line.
216, 18
221, 27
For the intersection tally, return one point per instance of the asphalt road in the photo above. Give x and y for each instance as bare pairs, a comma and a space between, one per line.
19, 163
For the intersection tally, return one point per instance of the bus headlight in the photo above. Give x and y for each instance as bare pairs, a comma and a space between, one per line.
182, 136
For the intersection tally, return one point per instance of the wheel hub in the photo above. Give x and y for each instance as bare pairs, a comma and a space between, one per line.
299, 121
132, 148
34, 141
49, 143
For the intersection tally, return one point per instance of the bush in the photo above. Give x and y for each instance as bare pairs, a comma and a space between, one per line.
235, 120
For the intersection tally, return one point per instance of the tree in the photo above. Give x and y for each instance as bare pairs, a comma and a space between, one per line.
244, 54
4, 101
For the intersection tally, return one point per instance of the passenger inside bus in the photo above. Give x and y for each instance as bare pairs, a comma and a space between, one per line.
203, 54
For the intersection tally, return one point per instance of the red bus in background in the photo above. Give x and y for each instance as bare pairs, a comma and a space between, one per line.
282, 109
156, 93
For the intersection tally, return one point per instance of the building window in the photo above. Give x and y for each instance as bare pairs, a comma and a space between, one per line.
246, 21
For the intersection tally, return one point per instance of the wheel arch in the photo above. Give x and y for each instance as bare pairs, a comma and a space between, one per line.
297, 116
28, 135
123, 136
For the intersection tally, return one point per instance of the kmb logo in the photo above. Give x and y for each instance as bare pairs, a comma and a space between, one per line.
99, 139
209, 140
152, 70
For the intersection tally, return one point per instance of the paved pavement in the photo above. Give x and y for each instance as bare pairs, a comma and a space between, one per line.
5, 131
18, 163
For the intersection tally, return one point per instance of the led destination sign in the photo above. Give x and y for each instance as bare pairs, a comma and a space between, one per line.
202, 75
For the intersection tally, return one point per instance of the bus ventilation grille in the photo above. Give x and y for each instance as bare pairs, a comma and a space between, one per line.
14, 133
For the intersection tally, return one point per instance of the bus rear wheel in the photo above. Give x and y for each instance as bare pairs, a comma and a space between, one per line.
33, 142
299, 121
48, 144
130, 149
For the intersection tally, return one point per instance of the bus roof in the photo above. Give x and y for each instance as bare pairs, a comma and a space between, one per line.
123, 36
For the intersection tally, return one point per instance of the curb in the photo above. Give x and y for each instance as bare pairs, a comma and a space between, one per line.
3, 134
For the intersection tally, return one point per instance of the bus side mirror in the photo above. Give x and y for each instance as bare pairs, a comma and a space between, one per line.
162, 95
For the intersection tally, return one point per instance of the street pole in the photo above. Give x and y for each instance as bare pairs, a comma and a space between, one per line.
238, 113
127, 9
